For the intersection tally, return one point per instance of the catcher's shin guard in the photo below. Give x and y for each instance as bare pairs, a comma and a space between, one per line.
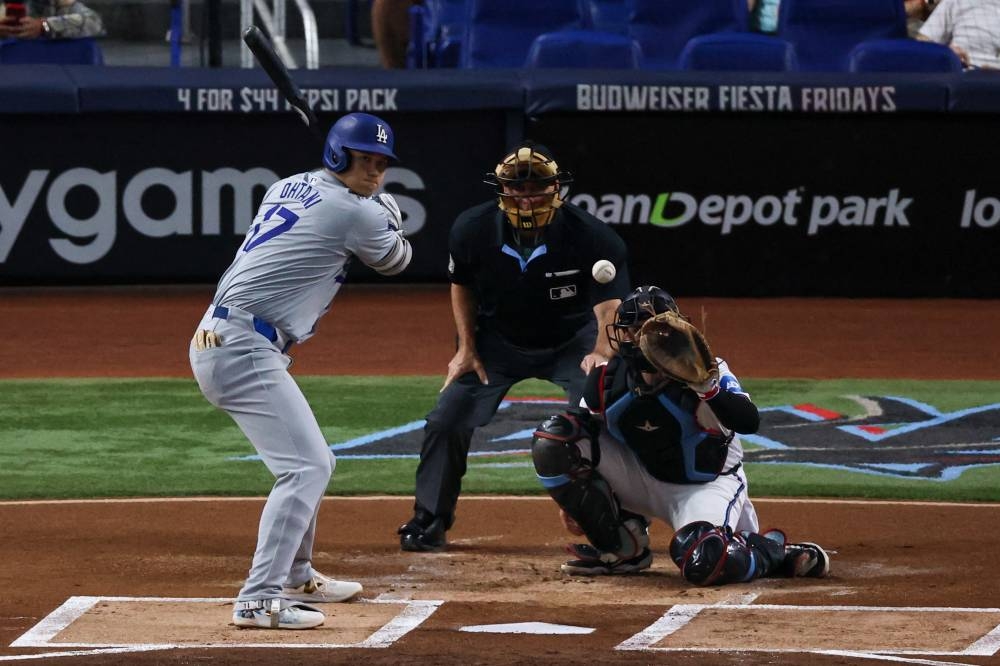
708, 555
580, 489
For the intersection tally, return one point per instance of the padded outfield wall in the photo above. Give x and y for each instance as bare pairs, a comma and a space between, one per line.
762, 185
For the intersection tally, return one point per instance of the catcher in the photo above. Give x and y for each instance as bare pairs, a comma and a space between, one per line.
657, 439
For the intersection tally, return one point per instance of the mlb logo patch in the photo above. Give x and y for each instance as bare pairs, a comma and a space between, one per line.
562, 293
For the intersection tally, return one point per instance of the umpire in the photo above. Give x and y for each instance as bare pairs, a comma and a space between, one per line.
525, 305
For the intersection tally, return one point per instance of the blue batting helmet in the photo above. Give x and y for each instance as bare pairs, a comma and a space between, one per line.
358, 131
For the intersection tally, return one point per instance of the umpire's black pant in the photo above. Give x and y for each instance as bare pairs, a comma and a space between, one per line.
467, 404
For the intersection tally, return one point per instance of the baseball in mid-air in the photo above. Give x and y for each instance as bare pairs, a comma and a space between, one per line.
603, 271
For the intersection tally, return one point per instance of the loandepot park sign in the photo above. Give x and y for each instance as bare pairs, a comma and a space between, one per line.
894, 436
791, 208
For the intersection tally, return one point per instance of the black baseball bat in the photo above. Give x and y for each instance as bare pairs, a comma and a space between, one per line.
278, 73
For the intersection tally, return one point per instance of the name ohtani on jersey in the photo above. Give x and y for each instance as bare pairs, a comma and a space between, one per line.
303, 192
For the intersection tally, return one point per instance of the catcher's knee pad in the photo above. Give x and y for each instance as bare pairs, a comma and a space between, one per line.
707, 555
553, 447
553, 450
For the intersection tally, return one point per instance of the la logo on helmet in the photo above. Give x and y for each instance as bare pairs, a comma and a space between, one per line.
381, 135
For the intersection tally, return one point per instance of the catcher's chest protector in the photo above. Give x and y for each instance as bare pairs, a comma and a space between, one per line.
663, 432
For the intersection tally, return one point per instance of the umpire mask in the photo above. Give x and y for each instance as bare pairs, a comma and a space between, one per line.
527, 183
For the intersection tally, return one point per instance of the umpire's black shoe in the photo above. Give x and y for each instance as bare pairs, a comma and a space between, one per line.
420, 537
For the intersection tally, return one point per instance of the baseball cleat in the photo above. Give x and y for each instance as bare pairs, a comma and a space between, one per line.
419, 538
276, 614
807, 560
322, 589
421, 542
592, 562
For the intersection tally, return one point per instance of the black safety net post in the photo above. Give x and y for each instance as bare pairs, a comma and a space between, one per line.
214, 33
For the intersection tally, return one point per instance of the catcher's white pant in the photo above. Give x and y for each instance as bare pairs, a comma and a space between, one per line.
248, 378
724, 501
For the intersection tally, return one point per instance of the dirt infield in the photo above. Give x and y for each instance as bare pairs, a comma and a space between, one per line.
911, 583
137, 332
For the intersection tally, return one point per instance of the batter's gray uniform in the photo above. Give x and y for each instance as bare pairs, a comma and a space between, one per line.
283, 279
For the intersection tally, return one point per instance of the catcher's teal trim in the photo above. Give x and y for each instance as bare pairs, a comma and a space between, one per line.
553, 481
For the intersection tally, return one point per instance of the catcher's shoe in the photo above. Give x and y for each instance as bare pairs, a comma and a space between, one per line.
807, 559
276, 614
322, 589
592, 562
419, 537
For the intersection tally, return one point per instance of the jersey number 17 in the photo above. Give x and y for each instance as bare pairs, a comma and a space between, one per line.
290, 218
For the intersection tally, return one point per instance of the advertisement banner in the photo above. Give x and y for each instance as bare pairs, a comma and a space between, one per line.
119, 198
727, 205
643, 91
709, 204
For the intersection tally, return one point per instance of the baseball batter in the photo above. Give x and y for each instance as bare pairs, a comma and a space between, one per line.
526, 305
647, 446
284, 277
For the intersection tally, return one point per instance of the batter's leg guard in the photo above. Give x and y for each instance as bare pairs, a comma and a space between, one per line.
581, 491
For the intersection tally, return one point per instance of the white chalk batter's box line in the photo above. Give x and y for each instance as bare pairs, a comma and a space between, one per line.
415, 612
681, 614
41, 635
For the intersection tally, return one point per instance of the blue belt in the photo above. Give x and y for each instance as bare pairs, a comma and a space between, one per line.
264, 328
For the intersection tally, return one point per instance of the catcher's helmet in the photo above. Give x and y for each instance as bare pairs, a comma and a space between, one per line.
358, 131
644, 302
529, 170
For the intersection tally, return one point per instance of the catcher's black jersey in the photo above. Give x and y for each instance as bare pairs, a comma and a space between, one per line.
542, 300
676, 436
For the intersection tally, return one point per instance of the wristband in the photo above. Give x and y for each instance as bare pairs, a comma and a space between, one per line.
710, 394
46, 29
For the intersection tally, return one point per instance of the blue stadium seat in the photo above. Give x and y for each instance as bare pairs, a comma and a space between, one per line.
824, 31
84, 51
436, 28
448, 25
739, 52
498, 33
664, 27
902, 55
584, 49
610, 15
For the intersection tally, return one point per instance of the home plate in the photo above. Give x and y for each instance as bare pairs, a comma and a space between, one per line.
527, 628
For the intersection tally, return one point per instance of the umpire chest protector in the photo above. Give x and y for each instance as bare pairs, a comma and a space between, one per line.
535, 297
663, 429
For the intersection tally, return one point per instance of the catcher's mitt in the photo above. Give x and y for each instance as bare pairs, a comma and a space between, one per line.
677, 349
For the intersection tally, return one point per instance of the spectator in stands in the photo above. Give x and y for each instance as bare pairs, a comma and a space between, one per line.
970, 27
391, 30
764, 14
917, 12
54, 19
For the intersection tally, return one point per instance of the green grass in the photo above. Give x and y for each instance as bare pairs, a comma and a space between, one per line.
159, 437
